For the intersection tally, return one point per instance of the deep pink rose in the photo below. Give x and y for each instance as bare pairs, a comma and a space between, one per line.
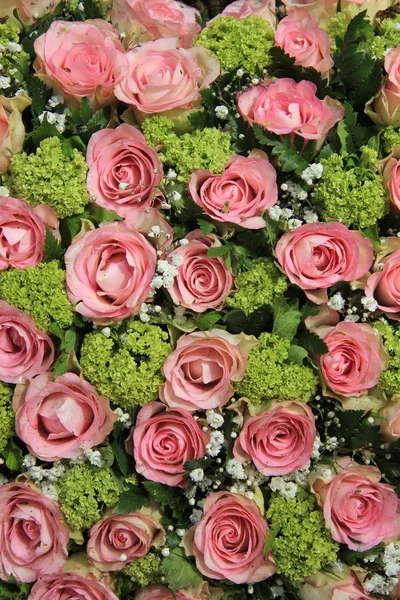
279, 440
202, 282
58, 419
123, 170
359, 511
22, 232
70, 586
154, 19
33, 535
109, 271
289, 107
200, 371
229, 539
130, 535
318, 255
242, 194
25, 351
81, 59
241, 9
384, 286
163, 441
299, 36
161, 76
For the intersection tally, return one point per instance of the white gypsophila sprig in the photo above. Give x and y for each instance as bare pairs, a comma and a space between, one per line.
215, 444
337, 302
215, 420
235, 469
379, 584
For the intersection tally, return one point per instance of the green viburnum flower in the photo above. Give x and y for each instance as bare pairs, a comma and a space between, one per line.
268, 376
14, 60
251, 55
390, 379
388, 37
157, 129
50, 177
301, 544
126, 369
351, 194
390, 137
146, 570
7, 418
337, 28
83, 492
40, 292
258, 287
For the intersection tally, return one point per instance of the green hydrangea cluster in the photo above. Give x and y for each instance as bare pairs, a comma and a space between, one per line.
157, 129
50, 177
337, 28
258, 287
7, 416
301, 544
390, 379
268, 376
390, 137
256, 37
146, 570
83, 491
388, 37
40, 292
351, 194
14, 60
126, 368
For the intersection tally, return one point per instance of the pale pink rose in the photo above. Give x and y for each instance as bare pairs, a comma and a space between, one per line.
325, 585
109, 271
70, 586
25, 351
22, 232
200, 371
229, 539
390, 426
147, 221
33, 535
12, 128
130, 535
123, 170
241, 194
321, 11
318, 255
289, 107
384, 109
163, 440
160, 592
81, 59
279, 440
154, 19
371, 6
389, 168
299, 36
241, 9
28, 10
58, 419
161, 77
384, 286
359, 511
392, 66
202, 282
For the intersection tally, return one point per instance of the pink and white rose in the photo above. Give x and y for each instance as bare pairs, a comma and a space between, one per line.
390, 423
241, 194
61, 418
160, 592
384, 109
241, 9
70, 586
321, 11
279, 440
163, 440
12, 128
33, 535
325, 585
109, 271
389, 168
81, 59
28, 10
200, 371
228, 541
25, 351
384, 285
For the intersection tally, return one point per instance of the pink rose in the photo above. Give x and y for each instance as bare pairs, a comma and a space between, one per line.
163, 441
157, 19
25, 351
229, 539
33, 536
289, 107
321, 11
326, 585
242, 194
160, 592
318, 255
384, 286
58, 419
241, 9
384, 109
22, 232
161, 77
390, 426
299, 36
202, 282
130, 535
81, 59
279, 440
12, 128
109, 271
123, 170
359, 511
200, 371
28, 10
70, 586
390, 170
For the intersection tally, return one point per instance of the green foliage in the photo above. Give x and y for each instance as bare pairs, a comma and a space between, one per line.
178, 571
291, 155
351, 134
85, 122
6, 416
126, 367
14, 63
53, 250
390, 138
131, 500
12, 590
388, 36
287, 318
146, 570
390, 379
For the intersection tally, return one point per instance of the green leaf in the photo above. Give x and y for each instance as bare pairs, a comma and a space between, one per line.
205, 226
178, 571
297, 354
85, 110
52, 248
201, 119
60, 366
130, 501
121, 458
312, 343
70, 339
197, 463
208, 320
162, 494
372, 234
13, 456
38, 94
98, 121
217, 251
287, 318
45, 130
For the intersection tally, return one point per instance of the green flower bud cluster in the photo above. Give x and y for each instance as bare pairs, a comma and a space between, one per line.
337, 28
7, 416
388, 37
390, 137
40, 292
268, 375
14, 60
146, 570
390, 379
126, 368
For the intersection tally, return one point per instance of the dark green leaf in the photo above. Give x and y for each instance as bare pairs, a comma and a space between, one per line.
205, 226
85, 110
121, 458
197, 463
372, 234
208, 320
38, 94
52, 248
45, 130
297, 354
287, 318
312, 343
201, 119
217, 251
98, 121
162, 494
179, 572
13, 456
70, 339
60, 366
131, 501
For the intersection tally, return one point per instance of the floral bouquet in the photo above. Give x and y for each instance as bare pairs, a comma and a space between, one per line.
199, 300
